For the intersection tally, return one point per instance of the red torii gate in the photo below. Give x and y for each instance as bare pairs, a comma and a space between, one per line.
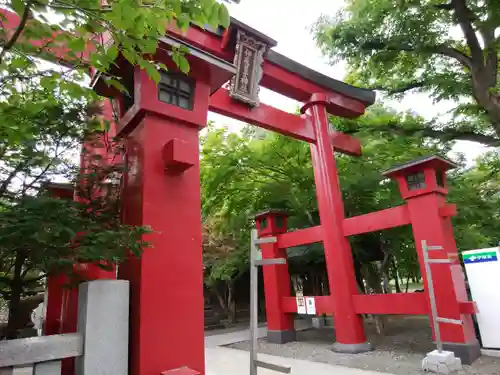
161, 189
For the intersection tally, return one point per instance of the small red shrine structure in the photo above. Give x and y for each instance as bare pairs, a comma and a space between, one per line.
162, 189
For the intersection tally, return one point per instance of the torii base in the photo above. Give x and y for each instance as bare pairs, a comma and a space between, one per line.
352, 348
281, 337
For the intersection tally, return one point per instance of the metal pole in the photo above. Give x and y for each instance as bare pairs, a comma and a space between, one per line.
254, 302
432, 296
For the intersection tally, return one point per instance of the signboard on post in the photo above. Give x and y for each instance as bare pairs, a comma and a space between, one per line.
483, 273
310, 306
301, 305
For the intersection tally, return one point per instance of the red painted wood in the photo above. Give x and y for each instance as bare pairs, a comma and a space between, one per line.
468, 307
448, 210
375, 221
207, 41
52, 324
275, 77
335, 104
293, 86
277, 282
338, 254
265, 116
324, 305
178, 156
430, 181
279, 121
167, 324
345, 143
394, 303
289, 304
429, 225
300, 237
55, 284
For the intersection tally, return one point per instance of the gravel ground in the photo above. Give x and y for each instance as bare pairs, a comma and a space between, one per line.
400, 351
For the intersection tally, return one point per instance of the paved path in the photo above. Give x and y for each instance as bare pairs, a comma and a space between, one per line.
226, 361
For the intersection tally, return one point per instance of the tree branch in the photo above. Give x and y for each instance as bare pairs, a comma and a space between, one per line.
4, 186
430, 132
22, 24
401, 89
464, 18
487, 30
461, 135
439, 49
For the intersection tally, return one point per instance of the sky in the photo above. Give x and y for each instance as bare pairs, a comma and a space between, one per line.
288, 22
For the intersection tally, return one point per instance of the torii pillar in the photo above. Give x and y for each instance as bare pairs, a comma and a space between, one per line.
162, 190
349, 329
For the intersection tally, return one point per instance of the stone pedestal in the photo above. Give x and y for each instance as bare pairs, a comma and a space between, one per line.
322, 321
443, 362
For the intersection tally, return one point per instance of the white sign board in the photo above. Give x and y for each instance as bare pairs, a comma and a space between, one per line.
310, 306
483, 272
301, 305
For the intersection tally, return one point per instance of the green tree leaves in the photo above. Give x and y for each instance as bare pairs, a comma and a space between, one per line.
448, 51
256, 170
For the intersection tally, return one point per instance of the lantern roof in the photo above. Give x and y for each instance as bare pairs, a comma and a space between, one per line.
436, 161
270, 212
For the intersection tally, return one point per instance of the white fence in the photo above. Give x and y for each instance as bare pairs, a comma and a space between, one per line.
100, 346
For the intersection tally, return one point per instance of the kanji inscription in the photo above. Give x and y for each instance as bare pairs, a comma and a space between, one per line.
248, 59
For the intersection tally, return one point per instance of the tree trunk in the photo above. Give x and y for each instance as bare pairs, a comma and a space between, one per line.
359, 277
231, 303
396, 275
373, 280
15, 298
396, 284
226, 301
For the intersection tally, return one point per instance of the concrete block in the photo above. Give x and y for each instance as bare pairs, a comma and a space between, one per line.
281, 337
441, 362
318, 322
47, 368
322, 321
103, 320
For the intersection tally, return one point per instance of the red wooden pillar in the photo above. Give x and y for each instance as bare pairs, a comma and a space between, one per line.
422, 184
52, 322
349, 329
162, 190
55, 283
277, 284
